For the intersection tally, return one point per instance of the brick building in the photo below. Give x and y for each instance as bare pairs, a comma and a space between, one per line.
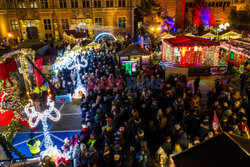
41, 19
220, 8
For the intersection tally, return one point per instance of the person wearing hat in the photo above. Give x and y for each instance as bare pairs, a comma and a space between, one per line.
34, 145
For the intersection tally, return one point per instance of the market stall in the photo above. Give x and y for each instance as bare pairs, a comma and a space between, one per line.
135, 53
228, 34
74, 37
236, 51
207, 35
94, 45
190, 51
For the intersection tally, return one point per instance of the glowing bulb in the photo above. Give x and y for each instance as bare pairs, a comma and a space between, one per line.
158, 29
152, 29
9, 35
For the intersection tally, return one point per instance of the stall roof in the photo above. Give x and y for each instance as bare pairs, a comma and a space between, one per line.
228, 32
133, 50
221, 150
187, 41
76, 34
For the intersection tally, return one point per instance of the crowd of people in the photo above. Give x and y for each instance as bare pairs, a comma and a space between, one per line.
125, 127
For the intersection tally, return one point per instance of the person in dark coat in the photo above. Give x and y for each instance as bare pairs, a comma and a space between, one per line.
196, 83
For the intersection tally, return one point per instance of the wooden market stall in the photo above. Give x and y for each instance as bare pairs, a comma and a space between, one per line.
229, 34
236, 51
190, 51
207, 35
73, 37
135, 53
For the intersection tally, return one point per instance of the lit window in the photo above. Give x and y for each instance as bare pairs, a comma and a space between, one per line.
33, 3
48, 36
47, 24
10, 4
97, 3
63, 3
109, 3
44, 3
21, 3
98, 21
74, 3
122, 3
14, 24
122, 22
85, 3
65, 24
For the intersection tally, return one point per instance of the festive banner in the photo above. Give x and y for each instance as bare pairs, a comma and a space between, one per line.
38, 77
6, 117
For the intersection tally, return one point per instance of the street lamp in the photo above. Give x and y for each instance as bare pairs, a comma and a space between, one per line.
9, 35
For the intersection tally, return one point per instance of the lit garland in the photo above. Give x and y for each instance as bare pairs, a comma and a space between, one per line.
72, 59
33, 114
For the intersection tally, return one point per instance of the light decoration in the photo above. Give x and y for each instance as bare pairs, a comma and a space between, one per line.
77, 66
2, 98
35, 117
104, 33
71, 61
202, 15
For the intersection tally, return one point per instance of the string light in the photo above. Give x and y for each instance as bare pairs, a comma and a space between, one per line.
43, 116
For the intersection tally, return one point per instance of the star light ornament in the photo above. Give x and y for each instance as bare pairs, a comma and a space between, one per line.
35, 117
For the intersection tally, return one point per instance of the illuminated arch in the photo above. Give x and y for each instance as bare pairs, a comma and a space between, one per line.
104, 33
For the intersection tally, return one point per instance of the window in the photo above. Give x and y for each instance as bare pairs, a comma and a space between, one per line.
236, 1
213, 4
242, 1
74, 3
0, 4
48, 36
122, 22
14, 24
122, 3
228, 4
32, 3
98, 21
47, 24
97, 3
209, 4
220, 4
65, 24
21, 3
44, 3
109, 3
63, 3
85, 3
217, 4
10, 4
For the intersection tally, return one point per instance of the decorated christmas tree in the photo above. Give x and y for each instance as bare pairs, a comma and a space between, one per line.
15, 100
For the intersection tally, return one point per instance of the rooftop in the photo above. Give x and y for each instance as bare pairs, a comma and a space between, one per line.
187, 41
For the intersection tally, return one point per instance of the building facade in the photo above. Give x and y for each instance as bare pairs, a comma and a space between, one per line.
220, 8
46, 19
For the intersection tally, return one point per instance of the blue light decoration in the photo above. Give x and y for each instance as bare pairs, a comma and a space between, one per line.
174, 30
104, 33
35, 117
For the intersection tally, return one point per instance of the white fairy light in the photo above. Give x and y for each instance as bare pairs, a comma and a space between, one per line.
37, 116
